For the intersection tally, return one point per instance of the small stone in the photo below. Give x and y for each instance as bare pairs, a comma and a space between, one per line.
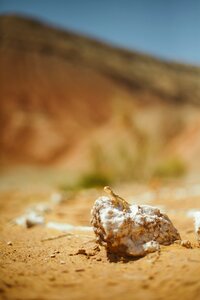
30, 219
96, 248
186, 244
65, 271
99, 259
52, 278
9, 243
81, 251
62, 262
52, 255
79, 270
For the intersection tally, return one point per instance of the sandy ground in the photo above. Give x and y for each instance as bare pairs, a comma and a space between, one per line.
42, 263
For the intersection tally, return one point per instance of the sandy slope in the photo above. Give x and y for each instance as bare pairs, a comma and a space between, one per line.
28, 271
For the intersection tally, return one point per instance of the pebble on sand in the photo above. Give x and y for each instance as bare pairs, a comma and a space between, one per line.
186, 244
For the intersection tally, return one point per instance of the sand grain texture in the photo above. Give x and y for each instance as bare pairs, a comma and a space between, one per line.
40, 263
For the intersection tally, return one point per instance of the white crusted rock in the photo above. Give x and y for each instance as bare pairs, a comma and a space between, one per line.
30, 219
197, 224
133, 230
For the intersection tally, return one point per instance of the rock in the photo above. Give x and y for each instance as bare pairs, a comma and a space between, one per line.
132, 230
186, 244
30, 219
81, 251
197, 225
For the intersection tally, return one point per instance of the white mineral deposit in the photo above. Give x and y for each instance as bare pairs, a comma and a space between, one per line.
30, 219
133, 230
197, 224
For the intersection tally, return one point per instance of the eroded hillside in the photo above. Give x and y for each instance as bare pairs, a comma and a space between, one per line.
71, 101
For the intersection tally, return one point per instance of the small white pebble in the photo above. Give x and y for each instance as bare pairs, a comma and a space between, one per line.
52, 255
9, 243
30, 219
62, 262
151, 246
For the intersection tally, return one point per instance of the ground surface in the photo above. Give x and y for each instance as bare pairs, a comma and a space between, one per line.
77, 269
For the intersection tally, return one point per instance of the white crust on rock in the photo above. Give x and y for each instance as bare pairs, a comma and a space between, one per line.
135, 230
197, 224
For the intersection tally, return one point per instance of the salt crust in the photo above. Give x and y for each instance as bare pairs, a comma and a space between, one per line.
135, 231
67, 227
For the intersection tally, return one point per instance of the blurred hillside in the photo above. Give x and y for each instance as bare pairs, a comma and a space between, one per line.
72, 102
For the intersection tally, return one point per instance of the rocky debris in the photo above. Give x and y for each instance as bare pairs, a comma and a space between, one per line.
81, 251
90, 251
9, 243
132, 230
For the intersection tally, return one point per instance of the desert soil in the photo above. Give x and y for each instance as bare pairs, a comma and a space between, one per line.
42, 263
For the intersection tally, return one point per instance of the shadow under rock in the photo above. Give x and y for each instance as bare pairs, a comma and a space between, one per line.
112, 257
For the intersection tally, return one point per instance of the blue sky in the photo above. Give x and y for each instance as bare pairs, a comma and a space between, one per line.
168, 29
